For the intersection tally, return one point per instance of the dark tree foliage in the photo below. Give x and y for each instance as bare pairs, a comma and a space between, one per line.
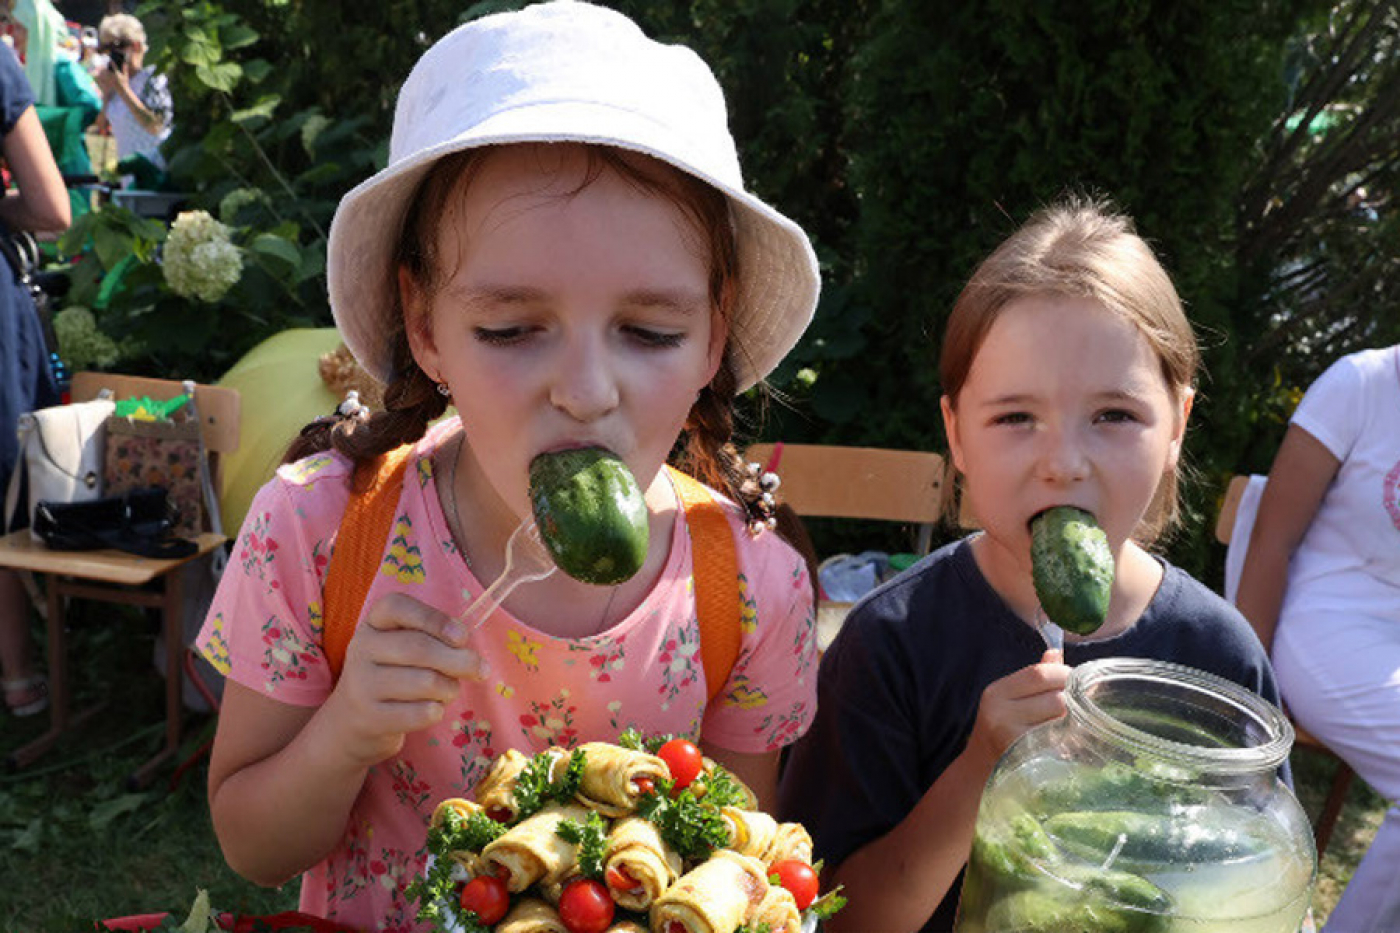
1253, 141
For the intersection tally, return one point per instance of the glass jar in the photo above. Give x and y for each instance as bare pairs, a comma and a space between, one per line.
1153, 805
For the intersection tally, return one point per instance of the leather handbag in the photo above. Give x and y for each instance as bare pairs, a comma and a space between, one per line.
61, 452
141, 521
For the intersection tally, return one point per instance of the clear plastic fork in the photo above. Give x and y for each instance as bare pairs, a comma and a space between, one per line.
1054, 635
527, 561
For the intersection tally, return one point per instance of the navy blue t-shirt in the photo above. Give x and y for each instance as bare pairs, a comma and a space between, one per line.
898, 690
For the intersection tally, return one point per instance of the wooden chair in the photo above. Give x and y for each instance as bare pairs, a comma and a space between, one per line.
114, 576
868, 483
1342, 779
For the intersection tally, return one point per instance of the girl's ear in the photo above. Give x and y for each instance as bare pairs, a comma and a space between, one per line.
417, 323
1188, 398
950, 427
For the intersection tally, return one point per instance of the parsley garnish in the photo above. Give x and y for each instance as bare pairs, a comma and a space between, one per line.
591, 838
756, 928
721, 790
435, 888
534, 789
694, 829
827, 905
640, 743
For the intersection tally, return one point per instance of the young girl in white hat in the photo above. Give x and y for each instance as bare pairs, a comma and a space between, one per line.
561, 246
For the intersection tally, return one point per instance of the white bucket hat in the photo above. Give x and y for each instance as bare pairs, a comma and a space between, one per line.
566, 71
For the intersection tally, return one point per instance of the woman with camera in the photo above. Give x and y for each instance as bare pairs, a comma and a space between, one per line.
38, 203
136, 101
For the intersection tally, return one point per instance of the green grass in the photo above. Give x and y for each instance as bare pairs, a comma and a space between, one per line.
76, 845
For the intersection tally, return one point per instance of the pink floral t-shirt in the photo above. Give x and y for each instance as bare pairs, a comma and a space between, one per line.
264, 632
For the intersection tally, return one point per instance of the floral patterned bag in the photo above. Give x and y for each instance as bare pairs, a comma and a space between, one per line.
165, 452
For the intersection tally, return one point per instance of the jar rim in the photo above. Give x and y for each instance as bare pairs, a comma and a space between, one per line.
1162, 677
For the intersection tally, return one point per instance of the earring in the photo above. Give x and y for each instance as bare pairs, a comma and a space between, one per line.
443, 390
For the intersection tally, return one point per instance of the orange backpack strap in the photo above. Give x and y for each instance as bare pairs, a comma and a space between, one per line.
359, 545
715, 563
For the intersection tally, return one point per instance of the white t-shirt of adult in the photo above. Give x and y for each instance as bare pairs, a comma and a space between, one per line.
153, 90
1349, 560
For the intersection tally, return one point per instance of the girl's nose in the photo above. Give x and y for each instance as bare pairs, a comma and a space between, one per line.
1062, 457
585, 385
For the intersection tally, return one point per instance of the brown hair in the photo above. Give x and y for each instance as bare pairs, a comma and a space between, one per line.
411, 400
1081, 249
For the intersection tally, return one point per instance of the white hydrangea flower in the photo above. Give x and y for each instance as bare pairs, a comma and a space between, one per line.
199, 259
80, 341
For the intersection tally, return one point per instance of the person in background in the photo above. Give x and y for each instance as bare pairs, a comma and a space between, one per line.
1068, 369
38, 203
65, 95
137, 106
1321, 586
561, 247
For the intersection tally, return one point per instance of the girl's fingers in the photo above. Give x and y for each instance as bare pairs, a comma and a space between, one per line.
397, 611
407, 633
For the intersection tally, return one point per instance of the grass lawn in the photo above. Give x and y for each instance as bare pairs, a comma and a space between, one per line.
77, 845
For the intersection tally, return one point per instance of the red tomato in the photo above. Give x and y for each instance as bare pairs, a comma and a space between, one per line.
499, 814
586, 907
619, 878
684, 760
487, 897
644, 785
799, 878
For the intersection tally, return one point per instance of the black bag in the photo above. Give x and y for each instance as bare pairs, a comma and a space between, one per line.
138, 522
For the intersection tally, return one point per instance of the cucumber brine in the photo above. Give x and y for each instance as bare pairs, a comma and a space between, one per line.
1072, 567
590, 513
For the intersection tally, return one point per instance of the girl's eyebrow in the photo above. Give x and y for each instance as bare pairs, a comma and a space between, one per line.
678, 300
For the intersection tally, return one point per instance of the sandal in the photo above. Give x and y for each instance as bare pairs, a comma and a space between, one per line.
33, 692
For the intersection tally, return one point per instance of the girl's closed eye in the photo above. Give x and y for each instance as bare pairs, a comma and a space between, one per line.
654, 337
502, 336
1012, 418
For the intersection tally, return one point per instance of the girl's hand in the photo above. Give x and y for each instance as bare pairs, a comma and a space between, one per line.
1017, 703
402, 667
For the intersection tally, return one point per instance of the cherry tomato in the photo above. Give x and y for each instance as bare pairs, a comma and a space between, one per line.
487, 897
799, 878
644, 785
684, 760
586, 907
620, 879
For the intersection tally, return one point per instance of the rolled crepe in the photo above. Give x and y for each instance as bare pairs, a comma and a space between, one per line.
531, 851
625, 926
458, 805
635, 847
531, 915
714, 897
791, 841
496, 791
779, 910
750, 832
610, 777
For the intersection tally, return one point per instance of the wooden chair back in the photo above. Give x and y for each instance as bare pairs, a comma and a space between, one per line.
871, 483
881, 484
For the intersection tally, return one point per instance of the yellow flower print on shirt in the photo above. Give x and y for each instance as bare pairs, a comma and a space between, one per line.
404, 562
215, 649
748, 608
315, 618
523, 649
306, 469
745, 695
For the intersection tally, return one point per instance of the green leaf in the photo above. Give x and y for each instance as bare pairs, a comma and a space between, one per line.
221, 77
238, 36
105, 812
263, 107
274, 247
